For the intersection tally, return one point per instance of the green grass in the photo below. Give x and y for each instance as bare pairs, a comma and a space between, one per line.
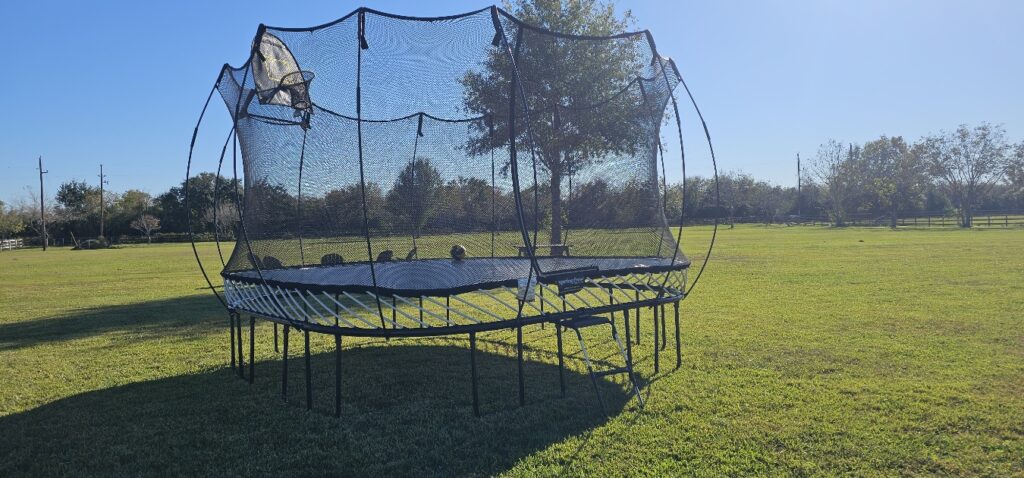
806, 351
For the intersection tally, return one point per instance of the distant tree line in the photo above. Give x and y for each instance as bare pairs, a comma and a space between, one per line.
960, 171
956, 172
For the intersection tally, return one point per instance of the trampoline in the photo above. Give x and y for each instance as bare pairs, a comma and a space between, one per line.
412, 177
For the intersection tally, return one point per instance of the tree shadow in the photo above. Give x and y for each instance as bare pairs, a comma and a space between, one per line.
143, 320
407, 410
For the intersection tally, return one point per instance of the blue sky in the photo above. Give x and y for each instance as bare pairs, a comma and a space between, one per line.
121, 83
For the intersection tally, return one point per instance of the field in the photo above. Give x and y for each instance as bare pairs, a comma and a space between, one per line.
806, 351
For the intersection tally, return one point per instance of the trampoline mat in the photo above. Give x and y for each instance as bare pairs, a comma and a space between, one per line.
447, 276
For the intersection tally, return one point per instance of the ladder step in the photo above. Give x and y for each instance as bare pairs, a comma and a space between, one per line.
613, 371
585, 321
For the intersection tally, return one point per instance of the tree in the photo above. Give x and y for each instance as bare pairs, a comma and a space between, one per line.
10, 222
224, 217
204, 190
414, 196
737, 191
124, 208
78, 206
967, 162
834, 169
146, 224
27, 208
1015, 173
562, 75
895, 175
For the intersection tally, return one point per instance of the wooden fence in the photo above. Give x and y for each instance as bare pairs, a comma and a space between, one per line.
10, 244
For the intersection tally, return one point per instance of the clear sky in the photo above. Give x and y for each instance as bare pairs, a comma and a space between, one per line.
122, 82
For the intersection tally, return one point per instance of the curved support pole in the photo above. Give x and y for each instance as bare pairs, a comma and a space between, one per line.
188, 173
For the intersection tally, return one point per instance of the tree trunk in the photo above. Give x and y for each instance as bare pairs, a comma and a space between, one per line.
556, 209
966, 215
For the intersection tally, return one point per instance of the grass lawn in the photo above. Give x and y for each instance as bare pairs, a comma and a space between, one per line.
806, 351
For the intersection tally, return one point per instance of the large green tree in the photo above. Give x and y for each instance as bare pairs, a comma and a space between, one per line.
413, 198
78, 206
967, 163
1015, 173
10, 222
896, 175
205, 190
561, 77
835, 168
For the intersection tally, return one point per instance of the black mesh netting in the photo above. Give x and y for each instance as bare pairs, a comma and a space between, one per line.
373, 146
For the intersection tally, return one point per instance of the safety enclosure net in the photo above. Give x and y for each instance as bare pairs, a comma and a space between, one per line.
470, 147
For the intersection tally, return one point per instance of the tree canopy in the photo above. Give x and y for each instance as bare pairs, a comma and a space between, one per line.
563, 77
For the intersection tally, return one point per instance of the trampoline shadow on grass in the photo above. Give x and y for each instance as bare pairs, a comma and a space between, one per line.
406, 410
140, 321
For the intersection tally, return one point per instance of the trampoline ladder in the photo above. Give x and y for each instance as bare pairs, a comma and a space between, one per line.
579, 323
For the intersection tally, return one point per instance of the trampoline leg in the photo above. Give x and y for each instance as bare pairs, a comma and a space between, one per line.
448, 309
590, 370
561, 360
284, 366
309, 376
664, 334
231, 319
276, 349
638, 319
657, 351
472, 373
241, 354
679, 353
337, 375
252, 348
519, 353
629, 345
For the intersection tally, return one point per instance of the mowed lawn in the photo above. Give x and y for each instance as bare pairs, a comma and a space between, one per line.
806, 351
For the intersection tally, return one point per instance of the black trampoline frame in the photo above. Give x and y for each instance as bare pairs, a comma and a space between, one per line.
663, 294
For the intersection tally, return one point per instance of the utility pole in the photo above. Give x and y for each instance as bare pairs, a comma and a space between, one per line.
799, 197
42, 205
103, 181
